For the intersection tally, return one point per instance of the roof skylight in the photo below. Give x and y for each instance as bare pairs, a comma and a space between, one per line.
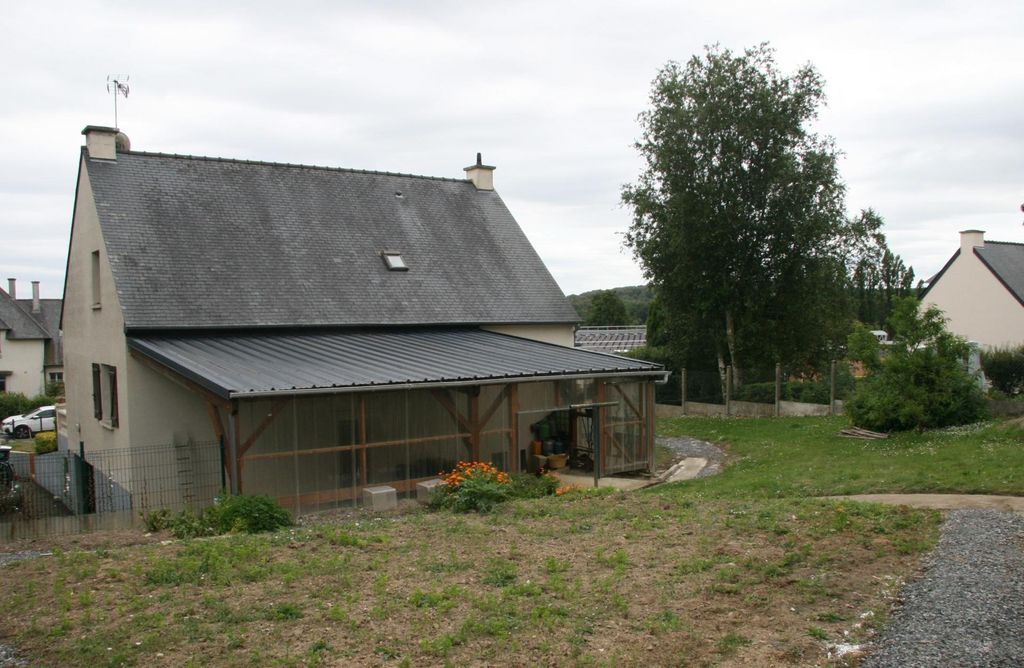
394, 261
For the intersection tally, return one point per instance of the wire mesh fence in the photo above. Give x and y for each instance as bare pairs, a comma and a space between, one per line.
65, 492
748, 390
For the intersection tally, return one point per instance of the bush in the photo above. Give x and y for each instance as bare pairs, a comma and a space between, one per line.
530, 486
1004, 367
472, 486
46, 441
248, 514
231, 514
922, 382
16, 403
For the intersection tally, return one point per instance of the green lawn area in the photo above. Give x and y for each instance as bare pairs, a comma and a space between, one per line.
741, 569
798, 457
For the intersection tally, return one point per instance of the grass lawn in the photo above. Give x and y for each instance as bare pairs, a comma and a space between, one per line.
741, 569
787, 457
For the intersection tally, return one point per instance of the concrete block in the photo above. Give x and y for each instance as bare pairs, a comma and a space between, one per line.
425, 490
381, 497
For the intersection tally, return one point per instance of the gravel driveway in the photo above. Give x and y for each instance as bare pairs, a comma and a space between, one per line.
968, 608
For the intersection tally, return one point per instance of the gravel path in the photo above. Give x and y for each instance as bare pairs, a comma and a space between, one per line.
968, 608
691, 447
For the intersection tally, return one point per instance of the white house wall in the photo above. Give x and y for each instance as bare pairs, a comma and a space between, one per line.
559, 334
164, 412
24, 359
978, 307
91, 335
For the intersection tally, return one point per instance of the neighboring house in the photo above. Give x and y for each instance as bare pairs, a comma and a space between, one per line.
981, 291
30, 341
612, 339
333, 328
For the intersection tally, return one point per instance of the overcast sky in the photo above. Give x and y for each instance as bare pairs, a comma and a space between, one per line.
926, 101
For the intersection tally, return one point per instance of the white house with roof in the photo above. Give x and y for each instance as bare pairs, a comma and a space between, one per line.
332, 328
981, 290
30, 341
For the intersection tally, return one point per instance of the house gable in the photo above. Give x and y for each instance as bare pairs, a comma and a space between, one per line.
979, 290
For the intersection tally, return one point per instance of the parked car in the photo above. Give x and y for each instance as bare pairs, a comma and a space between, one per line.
24, 426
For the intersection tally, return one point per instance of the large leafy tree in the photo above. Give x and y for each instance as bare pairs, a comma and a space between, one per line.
877, 276
738, 216
607, 308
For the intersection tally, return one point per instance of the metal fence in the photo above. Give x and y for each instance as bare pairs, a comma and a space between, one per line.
762, 391
65, 492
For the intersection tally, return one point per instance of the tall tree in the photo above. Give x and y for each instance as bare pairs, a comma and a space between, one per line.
607, 308
877, 275
738, 216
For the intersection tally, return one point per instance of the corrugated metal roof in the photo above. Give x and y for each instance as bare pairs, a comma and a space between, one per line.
265, 363
614, 339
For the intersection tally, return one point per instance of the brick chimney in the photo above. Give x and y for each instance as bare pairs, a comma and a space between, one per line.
105, 143
480, 174
35, 296
971, 239
12, 287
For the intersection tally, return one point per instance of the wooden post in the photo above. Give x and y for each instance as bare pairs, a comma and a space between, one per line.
598, 432
513, 421
832, 389
362, 440
649, 425
778, 388
682, 393
474, 425
728, 390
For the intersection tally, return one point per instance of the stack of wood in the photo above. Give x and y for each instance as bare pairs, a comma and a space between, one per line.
857, 432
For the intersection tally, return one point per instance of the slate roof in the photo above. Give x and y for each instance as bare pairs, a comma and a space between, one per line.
49, 319
18, 321
269, 363
200, 243
1006, 261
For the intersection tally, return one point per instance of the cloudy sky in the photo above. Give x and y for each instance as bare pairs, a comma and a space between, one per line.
926, 101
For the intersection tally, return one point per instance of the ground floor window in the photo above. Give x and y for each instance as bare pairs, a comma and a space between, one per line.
56, 376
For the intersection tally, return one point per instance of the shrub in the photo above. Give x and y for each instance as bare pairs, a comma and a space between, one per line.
13, 403
46, 441
248, 514
530, 486
472, 486
157, 520
922, 382
232, 514
1004, 367
16, 403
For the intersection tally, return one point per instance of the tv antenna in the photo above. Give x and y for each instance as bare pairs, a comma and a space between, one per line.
117, 87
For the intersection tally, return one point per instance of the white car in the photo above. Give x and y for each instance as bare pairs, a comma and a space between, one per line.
23, 426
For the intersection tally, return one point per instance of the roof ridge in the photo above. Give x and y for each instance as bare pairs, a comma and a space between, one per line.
266, 163
1005, 243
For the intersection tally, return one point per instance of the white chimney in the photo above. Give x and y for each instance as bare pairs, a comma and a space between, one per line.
971, 239
12, 285
105, 143
35, 296
480, 174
